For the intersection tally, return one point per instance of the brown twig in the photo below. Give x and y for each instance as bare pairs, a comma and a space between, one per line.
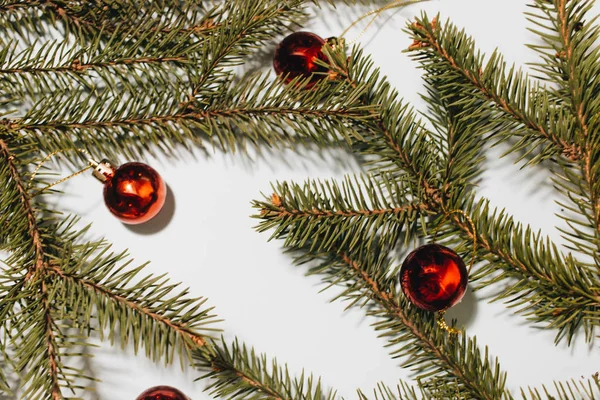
77, 67
283, 212
34, 231
197, 115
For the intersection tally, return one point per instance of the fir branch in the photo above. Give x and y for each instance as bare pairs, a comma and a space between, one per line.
37, 348
572, 62
550, 288
331, 210
369, 279
460, 124
525, 110
236, 372
392, 132
105, 17
254, 110
560, 291
247, 25
403, 392
116, 62
161, 321
51, 344
25, 205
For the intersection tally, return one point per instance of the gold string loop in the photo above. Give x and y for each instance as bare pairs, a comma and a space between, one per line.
442, 324
376, 13
92, 164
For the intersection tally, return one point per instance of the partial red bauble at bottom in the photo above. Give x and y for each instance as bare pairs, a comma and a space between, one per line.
434, 277
162, 393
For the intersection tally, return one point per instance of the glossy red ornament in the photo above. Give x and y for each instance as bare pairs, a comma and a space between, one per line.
134, 192
295, 57
434, 277
162, 393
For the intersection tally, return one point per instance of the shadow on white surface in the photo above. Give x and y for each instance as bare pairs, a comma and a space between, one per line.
464, 312
161, 221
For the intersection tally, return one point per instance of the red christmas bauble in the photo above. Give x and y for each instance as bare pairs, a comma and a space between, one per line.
295, 57
162, 393
134, 193
434, 277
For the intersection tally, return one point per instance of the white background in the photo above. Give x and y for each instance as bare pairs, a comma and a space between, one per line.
205, 239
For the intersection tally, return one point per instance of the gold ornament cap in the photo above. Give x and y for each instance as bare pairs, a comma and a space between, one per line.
104, 170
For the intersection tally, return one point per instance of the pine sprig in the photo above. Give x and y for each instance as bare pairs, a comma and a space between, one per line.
236, 372
255, 110
245, 26
89, 18
369, 279
329, 209
460, 125
572, 64
145, 311
548, 287
515, 258
403, 391
571, 59
523, 108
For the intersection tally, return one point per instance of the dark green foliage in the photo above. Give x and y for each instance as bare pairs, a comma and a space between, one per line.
133, 78
237, 372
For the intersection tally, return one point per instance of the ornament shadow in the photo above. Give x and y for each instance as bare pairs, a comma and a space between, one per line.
465, 312
161, 221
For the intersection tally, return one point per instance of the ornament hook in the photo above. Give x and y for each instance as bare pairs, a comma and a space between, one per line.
92, 164
442, 324
376, 13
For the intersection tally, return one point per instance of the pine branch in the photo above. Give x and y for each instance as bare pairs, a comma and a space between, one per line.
369, 279
560, 291
524, 109
254, 110
247, 25
460, 124
144, 311
99, 16
331, 210
403, 391
550, 288
572, 62
23, 204
237, 372
571, 59
37, 348
114, 64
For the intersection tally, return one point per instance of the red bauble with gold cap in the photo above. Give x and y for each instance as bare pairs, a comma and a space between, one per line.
133, 192
162, 393
434, 277
296, 55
